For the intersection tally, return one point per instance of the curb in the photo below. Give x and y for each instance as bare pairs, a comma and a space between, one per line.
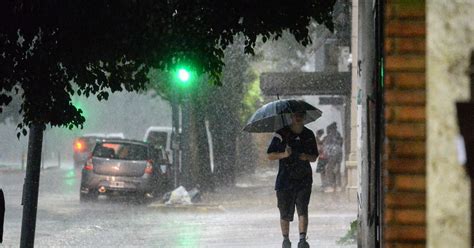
6, 170
193, 207
19, 170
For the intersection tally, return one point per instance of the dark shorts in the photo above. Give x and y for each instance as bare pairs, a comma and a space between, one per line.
288, 199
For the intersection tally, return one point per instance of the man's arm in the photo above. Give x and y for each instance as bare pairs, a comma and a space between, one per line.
279, 155
277, 149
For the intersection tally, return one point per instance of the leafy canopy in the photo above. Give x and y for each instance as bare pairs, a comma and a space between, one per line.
53, 49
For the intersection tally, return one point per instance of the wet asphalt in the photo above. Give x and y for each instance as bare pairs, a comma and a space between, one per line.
242, 216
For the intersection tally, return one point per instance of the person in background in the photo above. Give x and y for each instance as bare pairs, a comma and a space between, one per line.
322, 158
333, 151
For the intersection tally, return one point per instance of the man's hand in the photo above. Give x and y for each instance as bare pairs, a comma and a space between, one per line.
280, 155
287, 152
307, 157
303, 156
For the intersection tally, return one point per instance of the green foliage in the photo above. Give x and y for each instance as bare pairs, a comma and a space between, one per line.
351, 235
51, 50
252, 99
159, 83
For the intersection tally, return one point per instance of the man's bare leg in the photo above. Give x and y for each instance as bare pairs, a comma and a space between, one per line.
285, 230
303, 227
303, 223
285, 227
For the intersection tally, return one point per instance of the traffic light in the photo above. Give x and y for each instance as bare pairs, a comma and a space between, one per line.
183, 77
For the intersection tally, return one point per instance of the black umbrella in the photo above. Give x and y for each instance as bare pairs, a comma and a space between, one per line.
276, 115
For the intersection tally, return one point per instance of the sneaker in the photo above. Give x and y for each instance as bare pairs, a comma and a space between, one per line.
303, 244
329, 190
286, 243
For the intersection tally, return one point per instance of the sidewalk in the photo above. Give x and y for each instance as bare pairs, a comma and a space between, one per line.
249, 212
9, 168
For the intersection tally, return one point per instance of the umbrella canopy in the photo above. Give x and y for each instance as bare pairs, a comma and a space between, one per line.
276, 115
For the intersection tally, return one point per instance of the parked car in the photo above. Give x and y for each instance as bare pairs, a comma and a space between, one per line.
83, 146
120, 166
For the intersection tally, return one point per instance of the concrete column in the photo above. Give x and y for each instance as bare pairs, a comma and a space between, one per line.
351, 162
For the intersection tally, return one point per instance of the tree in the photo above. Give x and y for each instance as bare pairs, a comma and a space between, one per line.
220, 107
53, 49
223, 112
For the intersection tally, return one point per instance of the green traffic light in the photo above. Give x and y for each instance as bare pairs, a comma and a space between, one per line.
183, 75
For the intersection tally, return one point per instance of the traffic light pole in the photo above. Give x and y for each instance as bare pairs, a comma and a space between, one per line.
175, 135
182, 79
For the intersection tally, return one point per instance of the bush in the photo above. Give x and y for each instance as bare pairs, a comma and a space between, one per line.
351, 235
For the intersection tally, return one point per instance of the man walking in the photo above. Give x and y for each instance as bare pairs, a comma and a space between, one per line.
295, 147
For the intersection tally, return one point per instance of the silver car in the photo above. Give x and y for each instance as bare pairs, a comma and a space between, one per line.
119, 166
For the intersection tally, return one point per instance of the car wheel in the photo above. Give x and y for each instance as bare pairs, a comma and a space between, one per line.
87, 197
144, 198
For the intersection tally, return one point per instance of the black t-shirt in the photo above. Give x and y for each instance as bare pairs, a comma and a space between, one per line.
293, 172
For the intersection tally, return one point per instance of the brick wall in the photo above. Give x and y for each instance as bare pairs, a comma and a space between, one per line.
405, 116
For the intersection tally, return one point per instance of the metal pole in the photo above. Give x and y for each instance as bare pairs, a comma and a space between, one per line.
175, 136
379, 122
31, 186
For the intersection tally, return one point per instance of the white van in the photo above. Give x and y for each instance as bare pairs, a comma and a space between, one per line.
160, 137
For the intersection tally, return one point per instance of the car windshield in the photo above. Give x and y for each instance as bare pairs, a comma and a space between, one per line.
123, 151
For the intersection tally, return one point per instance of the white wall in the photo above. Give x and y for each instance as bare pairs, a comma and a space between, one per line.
450, 39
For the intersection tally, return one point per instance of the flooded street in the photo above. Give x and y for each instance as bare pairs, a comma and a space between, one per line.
245, 216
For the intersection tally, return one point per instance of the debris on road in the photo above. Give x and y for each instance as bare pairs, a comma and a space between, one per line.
180, 196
